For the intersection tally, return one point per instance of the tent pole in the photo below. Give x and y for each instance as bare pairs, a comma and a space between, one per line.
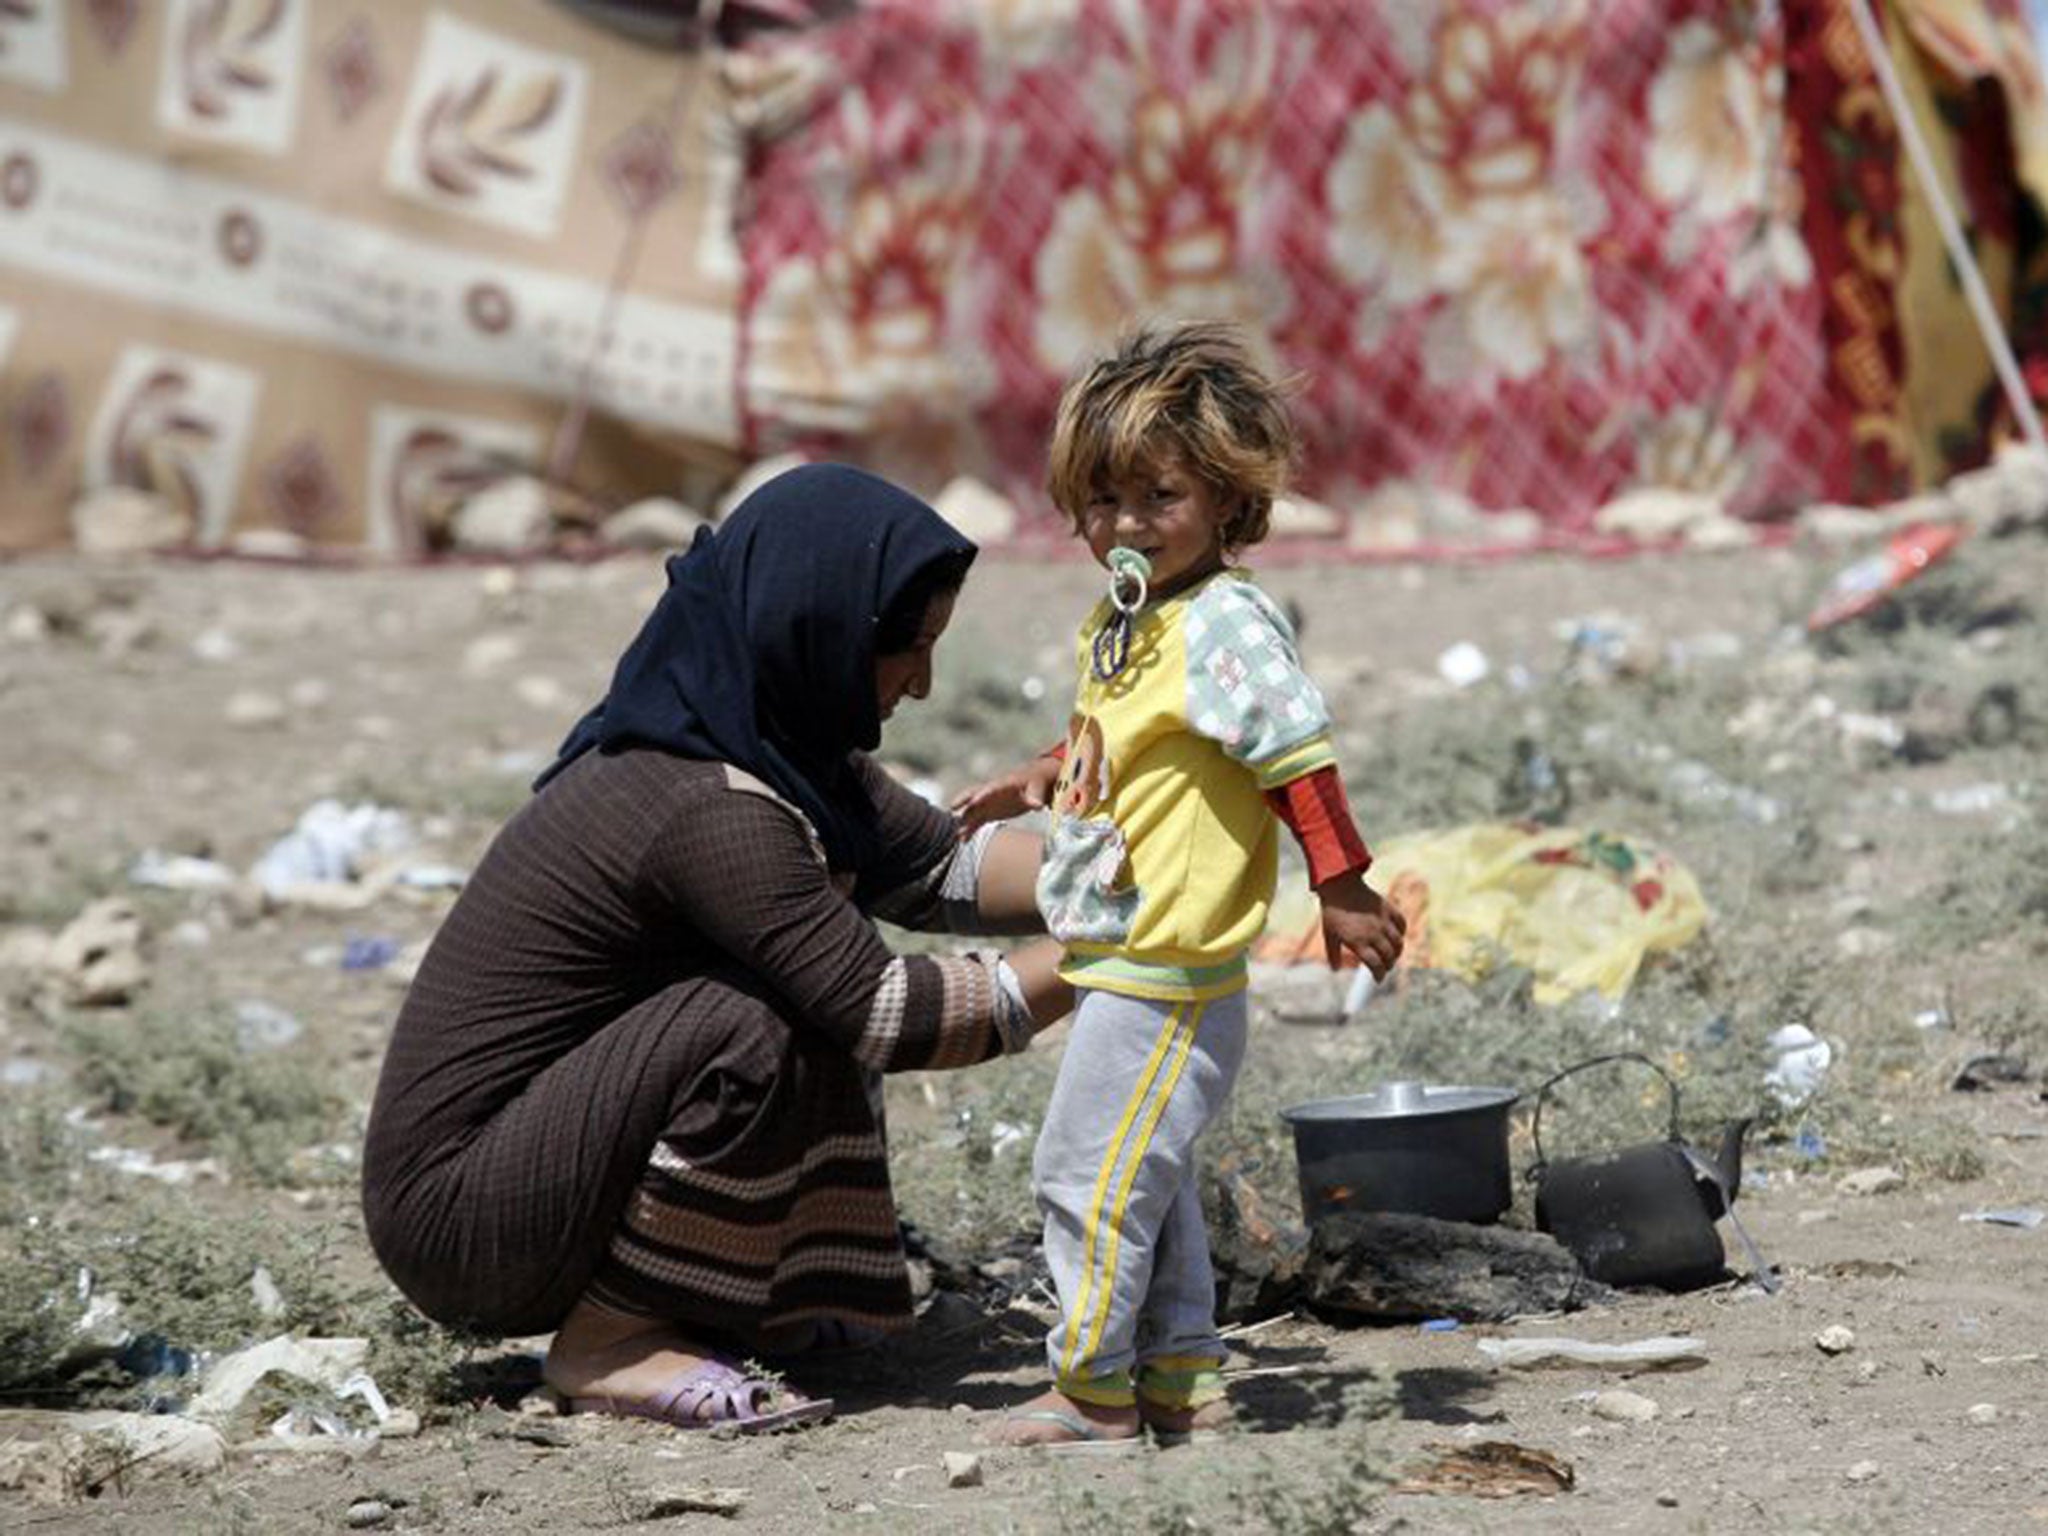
568, 438
1967, 270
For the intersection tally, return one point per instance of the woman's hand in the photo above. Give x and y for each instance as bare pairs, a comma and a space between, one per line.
1016, 792
1357, 919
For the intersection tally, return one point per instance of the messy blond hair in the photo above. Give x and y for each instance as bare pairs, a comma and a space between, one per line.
1193, 391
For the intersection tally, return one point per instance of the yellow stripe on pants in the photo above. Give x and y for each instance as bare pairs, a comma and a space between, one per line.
1108, 1172
1183, 1048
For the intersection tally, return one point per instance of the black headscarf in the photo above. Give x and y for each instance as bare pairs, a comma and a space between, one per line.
761, 653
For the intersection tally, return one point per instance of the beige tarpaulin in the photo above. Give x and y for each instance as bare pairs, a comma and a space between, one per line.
321, 264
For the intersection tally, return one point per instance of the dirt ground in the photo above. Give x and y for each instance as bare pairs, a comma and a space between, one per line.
201, 708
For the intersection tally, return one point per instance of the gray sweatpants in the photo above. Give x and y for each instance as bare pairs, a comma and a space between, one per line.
1115, 1178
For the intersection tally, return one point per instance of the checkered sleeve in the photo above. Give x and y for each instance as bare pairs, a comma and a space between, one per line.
1246, 688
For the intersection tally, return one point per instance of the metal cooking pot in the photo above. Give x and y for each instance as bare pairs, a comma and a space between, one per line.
1425, 1150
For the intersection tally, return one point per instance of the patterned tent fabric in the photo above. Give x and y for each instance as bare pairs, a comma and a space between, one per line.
329, 265
325, 266
1521, 257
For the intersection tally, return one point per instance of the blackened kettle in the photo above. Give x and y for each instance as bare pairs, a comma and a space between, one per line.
1644, 1214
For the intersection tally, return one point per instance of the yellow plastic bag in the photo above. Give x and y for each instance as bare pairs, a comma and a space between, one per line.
1580, 909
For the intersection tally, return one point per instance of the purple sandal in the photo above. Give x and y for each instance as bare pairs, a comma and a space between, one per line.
710, 1394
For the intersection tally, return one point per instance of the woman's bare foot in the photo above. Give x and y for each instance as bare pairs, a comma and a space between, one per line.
1053, 1418
600, 1353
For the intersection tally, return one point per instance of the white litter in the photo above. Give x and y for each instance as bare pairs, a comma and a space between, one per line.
1799, 1064
179, 872
1463, 665
1664, 1352
336, 1364
331, 845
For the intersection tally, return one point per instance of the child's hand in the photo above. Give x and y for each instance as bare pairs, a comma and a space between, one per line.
1356, 918
1022, 789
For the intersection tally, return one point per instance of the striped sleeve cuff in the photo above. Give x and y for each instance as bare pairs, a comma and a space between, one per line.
1314, 809
936, 1012
1297, 761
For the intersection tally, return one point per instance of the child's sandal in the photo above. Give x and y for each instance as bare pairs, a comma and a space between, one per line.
1184, 1426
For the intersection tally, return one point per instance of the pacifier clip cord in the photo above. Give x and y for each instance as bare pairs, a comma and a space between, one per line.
1129, 575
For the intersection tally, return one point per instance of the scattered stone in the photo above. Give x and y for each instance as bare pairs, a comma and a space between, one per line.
216, 645
1870, 1181
1866, 1370
1302, 994
1861, 943
97, 960
249, 710
121, 520
2006, 495
263, 1291
1623, 1407
1299, 517
400, 1424
550, 1436
1719, 533
368, 1515
270, 544
963, 1468
121, 632
25, 949
541, 1404
27, 625
656, 522
1835, 1339
978, 510
511, 516
91, 1452
1985, 1071
1863, 1472
311, 692
696, 1499
539, 692
1667, 1500
752, 478
1982, 1413
487, 653
1656, 513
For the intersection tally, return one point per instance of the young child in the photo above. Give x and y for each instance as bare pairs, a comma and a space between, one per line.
1194, 734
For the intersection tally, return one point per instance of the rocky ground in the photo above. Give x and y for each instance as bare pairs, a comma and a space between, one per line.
183, 1079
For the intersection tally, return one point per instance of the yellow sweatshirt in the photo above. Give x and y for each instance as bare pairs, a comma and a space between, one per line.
1160, 865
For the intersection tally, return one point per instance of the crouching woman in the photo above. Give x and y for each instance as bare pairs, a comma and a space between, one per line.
633, 1097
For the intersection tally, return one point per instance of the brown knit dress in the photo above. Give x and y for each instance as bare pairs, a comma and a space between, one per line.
639, 1060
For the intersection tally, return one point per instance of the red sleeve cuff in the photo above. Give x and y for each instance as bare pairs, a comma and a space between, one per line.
1316, 812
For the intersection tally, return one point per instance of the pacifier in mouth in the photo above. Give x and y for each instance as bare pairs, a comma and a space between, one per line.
1130, 574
